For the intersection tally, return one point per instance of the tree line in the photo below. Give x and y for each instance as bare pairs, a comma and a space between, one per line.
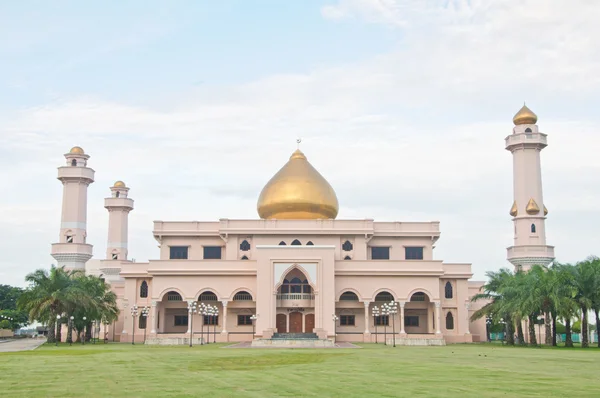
558, 293
56, 295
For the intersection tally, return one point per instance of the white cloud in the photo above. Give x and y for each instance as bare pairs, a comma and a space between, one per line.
415, 134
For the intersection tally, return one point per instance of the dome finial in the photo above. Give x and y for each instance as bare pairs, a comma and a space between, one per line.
525, 116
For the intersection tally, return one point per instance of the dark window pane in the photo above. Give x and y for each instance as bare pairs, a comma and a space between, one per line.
413, 253
380, 253
178, 253
144, 289
449, 321
347, 246
448, 290
211, 320
309, 243
348, 296
245, 246
181, 320
296, 242
411, 321
212, 252
244, 320
347, 320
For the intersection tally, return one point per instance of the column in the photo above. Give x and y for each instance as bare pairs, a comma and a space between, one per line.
468, 307
402, 304
190, 315
125, 308
153, 317
224, 329
366, 303
437, 317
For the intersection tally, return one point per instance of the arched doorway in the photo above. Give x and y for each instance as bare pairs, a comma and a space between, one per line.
295, 322
281, 323
309, 323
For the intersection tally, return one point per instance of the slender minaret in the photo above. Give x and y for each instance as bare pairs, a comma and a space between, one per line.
528, 210
118, 206
72, 251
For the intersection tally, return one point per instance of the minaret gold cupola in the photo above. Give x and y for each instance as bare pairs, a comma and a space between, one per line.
513, 210
525, 116
532, 207
298, 191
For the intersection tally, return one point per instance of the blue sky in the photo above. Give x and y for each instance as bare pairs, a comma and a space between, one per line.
403, 105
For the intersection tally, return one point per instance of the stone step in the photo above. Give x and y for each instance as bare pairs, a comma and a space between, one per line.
295, 336
292, 343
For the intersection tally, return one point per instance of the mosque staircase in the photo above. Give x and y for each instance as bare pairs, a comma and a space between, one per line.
295, 336
293, 340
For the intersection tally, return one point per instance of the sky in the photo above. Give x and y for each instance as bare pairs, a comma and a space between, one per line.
402, 105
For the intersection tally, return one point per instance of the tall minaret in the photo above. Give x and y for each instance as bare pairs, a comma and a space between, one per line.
528, 210
72, 251
118, 206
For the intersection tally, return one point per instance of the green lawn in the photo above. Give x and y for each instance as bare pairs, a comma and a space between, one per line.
120, 370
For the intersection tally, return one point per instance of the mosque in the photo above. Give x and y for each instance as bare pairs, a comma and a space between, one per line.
297, 270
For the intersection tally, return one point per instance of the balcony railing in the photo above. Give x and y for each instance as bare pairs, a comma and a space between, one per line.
295, 296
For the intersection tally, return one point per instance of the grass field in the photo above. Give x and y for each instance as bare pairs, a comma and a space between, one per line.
120, 370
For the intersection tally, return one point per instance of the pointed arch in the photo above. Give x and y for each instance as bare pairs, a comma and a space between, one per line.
282, 243
245, 257
347, 246
448, 291
285, 273
296, 242
449, 321
245, 246
309, 243
347, 258
144, 289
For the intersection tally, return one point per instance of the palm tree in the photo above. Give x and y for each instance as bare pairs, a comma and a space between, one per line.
585, 282
498, 305
101, 304
50, 294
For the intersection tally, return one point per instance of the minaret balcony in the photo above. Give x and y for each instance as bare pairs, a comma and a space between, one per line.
530, 251
71, 252
514, 141
124, 203
76, 173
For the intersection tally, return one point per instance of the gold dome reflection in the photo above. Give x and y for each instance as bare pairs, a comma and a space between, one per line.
298, 191
525, 116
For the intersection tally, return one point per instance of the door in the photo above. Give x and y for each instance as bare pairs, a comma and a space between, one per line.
281, 323
295, 322
309, 323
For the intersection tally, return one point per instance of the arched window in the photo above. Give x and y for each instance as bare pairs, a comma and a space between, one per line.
73, 162
296, 285
347, 246
418, 296
347, 258
208, 296
285, 287
296, 242
245, 246
309, 243
144, 289
348, 296
448, 290
244, 257
242, 296
384, 296
306, 287
173, 296
533, 228
528, 130
142, 322
282, 243
449, 321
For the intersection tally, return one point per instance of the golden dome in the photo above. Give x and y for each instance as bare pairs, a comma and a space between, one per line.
532, 207
298, 191
119, 184
76, 150
525, 116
